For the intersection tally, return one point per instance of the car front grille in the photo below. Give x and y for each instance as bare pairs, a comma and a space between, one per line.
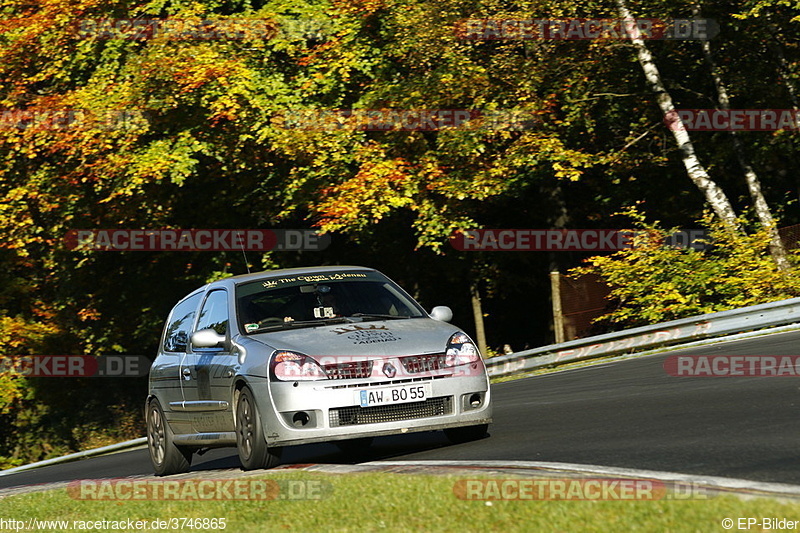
356, 415
355, 369
423, 363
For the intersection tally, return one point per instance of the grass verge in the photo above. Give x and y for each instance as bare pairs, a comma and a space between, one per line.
393, 502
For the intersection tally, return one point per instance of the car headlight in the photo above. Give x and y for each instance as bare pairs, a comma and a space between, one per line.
293, 366
461, 350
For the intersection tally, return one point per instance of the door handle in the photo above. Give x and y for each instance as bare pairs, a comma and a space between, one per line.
187, 374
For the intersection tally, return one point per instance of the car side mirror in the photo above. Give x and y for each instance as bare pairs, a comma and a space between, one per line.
207, 338
442, 312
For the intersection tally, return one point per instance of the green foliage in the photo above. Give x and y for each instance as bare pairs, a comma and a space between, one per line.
652, 282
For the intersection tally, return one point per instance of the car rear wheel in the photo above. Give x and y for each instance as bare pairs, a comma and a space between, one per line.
466, 433
250, 442
167, 458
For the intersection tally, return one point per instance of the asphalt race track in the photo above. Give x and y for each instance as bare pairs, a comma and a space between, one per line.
627, 414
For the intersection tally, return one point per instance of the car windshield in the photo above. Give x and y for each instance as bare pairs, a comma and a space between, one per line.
321, 298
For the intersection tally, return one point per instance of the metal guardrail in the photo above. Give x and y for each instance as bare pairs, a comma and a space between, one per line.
648, 337
78, 455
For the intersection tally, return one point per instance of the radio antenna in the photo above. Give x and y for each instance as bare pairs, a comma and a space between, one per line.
246, 263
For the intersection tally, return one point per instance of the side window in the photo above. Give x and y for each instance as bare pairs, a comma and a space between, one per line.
176, 337
214, 314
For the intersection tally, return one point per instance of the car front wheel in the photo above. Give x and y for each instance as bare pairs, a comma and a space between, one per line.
167, 458
250, 442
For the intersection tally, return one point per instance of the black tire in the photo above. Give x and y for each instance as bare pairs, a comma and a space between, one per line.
466, 433
354, 446
167, 458
250, 442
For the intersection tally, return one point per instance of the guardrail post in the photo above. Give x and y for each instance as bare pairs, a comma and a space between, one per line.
558, 314
477, 312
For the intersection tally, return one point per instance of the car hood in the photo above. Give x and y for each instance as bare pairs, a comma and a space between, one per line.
381, 338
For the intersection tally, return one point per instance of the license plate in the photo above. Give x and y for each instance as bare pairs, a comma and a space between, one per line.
390, 395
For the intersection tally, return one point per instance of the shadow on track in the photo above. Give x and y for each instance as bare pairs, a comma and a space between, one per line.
382, 448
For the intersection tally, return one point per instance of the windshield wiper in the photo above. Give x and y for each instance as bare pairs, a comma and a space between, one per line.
376, 316
301, 324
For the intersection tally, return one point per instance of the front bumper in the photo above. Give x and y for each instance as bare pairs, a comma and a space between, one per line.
320, 411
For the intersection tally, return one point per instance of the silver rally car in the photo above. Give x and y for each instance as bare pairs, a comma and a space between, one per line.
296, 356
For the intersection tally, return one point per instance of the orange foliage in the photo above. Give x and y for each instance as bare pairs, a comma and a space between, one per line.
377, 188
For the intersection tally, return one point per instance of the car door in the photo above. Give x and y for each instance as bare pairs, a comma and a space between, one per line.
208, 372
166, 379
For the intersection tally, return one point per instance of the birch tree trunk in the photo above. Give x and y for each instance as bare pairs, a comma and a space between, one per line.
714, 194
763, 212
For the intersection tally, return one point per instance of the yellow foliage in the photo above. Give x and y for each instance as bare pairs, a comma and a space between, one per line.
652, 283
18, 337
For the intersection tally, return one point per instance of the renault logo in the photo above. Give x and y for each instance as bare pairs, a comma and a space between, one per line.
389, 370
